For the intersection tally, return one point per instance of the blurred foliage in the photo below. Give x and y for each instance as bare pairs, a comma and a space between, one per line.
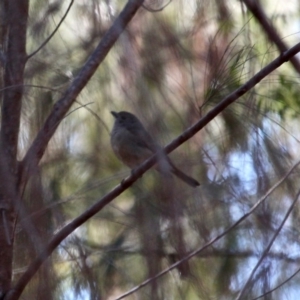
169, 68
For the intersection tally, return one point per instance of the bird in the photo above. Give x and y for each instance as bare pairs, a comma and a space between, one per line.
132, 144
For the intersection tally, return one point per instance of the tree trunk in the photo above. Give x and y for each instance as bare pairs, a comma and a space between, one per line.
13, 58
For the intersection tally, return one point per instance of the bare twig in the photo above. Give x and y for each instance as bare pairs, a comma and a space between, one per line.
278, 286
75, 109
94, 114
53, 33
243, 290
154, 10
273, 36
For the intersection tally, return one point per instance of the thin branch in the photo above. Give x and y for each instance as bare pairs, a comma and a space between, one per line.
278, 286
68, 229
211, 254
77, 108
265, 253
31, 86
53, 33
271, 32
94, 114
154, 10
212, 241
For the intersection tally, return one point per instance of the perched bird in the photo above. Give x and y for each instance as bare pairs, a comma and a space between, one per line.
132, 144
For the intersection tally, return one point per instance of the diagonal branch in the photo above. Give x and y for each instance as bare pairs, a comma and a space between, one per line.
62, 106
266, 251
53, 33
68, 229
278, 286
256, 9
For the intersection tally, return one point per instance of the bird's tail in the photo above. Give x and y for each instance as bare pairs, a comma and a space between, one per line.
187, 179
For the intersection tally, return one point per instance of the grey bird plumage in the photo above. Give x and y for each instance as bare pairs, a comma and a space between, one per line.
132, 144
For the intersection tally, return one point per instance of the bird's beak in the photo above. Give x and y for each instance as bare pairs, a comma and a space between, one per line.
115, 114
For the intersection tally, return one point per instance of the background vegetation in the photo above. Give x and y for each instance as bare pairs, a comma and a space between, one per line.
173, 63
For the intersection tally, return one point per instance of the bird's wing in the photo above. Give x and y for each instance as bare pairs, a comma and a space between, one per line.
144, 139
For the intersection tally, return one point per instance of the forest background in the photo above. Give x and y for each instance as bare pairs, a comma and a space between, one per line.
218, 81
